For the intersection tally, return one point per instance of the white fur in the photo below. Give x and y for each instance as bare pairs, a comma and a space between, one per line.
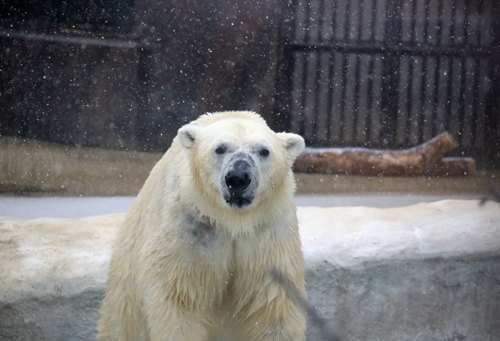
187, 266
187, 136
294, 144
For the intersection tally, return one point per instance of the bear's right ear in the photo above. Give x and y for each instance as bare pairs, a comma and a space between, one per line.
187, 136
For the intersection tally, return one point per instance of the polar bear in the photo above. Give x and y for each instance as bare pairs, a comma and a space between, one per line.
194, 257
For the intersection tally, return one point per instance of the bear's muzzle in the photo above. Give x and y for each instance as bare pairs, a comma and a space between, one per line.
238, 178
238, 181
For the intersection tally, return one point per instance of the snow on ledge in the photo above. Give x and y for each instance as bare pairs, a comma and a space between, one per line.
53, 272
350, 236
67, 256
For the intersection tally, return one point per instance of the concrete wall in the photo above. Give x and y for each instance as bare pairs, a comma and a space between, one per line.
434, 299
422, 272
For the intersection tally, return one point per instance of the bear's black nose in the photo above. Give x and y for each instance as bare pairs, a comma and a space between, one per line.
238, 178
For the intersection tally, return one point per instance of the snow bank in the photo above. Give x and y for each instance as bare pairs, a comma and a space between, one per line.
422, 272
346, 237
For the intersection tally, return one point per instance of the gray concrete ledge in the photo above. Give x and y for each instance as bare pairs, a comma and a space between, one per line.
80, 207
423, 272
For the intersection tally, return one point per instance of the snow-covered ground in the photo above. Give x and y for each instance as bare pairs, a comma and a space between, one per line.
77, 207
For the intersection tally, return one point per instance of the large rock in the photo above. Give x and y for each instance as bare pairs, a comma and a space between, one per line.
52, 276
423, 272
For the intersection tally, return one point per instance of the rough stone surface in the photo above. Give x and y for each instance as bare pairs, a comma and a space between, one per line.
422, 272
52, 276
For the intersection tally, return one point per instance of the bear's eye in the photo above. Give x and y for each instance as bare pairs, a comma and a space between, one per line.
220, 150
264, 152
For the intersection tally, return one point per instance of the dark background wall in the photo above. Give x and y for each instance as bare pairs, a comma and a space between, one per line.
394, 73
369, 73
129, 78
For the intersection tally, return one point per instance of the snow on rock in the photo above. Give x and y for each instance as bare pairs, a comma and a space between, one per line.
422, 272
427, 271
350, 236
52, 276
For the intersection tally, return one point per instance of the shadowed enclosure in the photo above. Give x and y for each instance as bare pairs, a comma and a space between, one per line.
93, 92
392, 73
367, 73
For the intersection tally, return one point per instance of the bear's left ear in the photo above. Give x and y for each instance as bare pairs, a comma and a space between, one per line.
187, 135
294, 144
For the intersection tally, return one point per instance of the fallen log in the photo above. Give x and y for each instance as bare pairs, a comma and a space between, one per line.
453, 166
425, 159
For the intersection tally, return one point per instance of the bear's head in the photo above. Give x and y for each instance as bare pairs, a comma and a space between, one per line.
238, 162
